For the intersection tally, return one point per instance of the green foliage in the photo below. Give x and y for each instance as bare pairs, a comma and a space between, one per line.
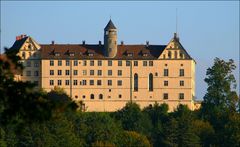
132, 119
131, 138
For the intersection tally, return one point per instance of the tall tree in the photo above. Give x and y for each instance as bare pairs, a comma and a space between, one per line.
221, 82
221, 100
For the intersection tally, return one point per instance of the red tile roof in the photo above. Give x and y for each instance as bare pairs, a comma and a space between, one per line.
83, 51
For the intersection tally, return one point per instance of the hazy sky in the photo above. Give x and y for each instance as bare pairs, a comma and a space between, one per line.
207, 29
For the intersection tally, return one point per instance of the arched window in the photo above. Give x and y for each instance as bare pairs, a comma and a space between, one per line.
100, 96
23, 55
169, 54
92, 96
135, 82
150, 82
175, 54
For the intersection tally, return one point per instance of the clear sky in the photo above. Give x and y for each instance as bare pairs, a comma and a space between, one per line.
206, 29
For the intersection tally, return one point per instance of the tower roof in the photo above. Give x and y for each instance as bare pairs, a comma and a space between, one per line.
110, 25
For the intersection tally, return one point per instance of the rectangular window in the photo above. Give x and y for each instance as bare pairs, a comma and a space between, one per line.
59, 72
181, 83
51, 72
59, 62
165, 96
109, 62
99, 63
99, 82
91, 82
91, 72
150, 63
119, 82
75, 72
99, 72
165, 72
109, 82
181, 72
84, 63
75, 82
36, 73
181, 95
119, 72
165, 83
36, 64
127, 63
84, 72
135, 63
67, 63
109, 72
28, 73
36, 83
84, 82
67, 82
51, 62
51, 82
144, 63
75, 63
92, 63
28, 63
59, 82
119, 63
67, 72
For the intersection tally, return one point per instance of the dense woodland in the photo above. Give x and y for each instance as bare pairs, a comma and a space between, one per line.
29, 117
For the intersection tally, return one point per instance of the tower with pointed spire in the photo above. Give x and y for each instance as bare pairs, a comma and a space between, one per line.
110, 40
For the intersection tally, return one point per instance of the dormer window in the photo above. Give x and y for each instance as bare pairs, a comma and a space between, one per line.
106, 32
130, 54
90, 54
57, 54
145, 54
71, 54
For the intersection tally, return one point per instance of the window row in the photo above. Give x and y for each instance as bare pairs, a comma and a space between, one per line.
84, 82
166, 96
173, 55
181, 83
29, 64
99, 63
109, 72
84, 72
100, 96
29, 73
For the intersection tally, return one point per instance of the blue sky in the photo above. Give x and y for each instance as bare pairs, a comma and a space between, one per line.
206, 29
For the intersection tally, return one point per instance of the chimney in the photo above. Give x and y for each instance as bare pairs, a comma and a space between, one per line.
147, 43
122, 43
176, 36
83, 42
100, 43
53, 42
21, 36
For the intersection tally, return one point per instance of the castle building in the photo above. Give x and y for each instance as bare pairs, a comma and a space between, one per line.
107, 76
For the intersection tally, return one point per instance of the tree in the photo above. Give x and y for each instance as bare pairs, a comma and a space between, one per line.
221, 101
221, 81
19, 101
132, 119
132, 139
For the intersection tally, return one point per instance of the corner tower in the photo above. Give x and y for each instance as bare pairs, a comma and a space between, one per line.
110, 40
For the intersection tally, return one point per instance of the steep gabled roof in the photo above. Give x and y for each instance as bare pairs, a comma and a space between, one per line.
110, 25
18, 44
